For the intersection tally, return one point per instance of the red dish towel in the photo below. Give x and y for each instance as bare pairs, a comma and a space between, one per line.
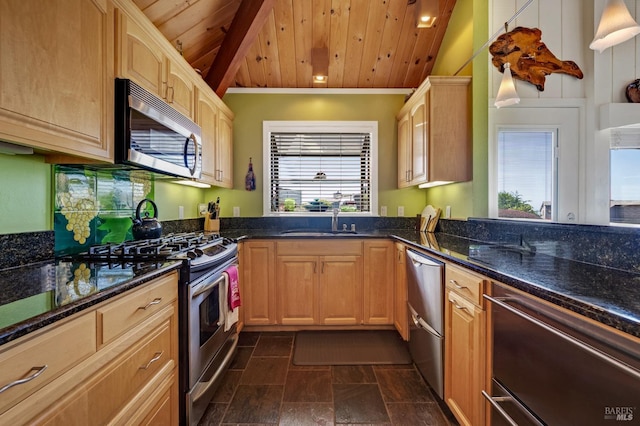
234, 289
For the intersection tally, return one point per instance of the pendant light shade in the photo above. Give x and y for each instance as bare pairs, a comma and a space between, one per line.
616, 26
507, 94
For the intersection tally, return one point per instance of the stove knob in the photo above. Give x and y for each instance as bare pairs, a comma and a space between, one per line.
198, 252
191, 255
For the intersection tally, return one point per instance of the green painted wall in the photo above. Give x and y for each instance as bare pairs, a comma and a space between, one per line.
466, 32
169, 196
252, 109
25, 194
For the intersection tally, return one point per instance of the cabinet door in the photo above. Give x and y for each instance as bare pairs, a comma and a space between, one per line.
464, 359
401, 317
379, 276
140, 58
404, 151
340, 290
297, 290
207, 119
180, 89
257, 287
419, 142
224, 151
56, 73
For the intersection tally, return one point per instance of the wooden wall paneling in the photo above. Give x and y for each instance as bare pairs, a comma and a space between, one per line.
303, 26
256, 65
355, 41
403, 54
575, 38
551, 24
243, 78
204, 62
338, 42
321, 23
372, 43
389, 44
286, 46
269, 47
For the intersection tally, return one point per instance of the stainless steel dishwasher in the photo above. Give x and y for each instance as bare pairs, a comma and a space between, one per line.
551, 368
425, 284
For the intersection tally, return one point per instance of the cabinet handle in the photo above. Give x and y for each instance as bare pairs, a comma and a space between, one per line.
156, 357
166, 89
38, 371
462, 308
322, 269
155, 301
170, 98
458, 286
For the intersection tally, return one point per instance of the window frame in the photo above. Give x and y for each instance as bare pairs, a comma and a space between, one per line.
269, 127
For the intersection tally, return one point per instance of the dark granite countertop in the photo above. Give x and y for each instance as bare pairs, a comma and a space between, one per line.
607, 295
35, 295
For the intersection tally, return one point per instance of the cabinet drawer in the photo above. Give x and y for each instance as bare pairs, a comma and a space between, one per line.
120, 315
58, 347
320, 247
465, 283
99, 401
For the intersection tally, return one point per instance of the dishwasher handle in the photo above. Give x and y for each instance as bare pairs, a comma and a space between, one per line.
420, 260
420, 323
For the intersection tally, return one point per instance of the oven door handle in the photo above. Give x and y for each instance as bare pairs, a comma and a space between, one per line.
203, 288
501, 301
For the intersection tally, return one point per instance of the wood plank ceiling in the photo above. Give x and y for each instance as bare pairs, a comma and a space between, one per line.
370, 43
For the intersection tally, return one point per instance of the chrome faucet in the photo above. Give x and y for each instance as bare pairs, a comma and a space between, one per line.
334, 220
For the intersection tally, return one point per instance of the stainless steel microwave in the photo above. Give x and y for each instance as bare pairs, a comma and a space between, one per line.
151, 134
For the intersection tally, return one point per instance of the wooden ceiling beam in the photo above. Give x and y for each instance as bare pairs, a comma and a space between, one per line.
244, 29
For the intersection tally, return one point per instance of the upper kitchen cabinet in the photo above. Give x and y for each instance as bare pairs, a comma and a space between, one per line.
216, 121
146, 57
434, 134
56, 69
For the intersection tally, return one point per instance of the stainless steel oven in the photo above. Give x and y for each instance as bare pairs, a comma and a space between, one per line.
551, 368
210, 348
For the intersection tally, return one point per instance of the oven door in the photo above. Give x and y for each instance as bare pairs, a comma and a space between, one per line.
211, 349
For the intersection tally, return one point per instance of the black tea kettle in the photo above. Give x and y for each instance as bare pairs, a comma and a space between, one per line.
147, 227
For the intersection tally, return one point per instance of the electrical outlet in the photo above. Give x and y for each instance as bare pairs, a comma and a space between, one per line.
180, 212
383, 210
202, 209
236, 211
447, 212
400, 211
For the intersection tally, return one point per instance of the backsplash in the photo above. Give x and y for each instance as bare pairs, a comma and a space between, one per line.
96, 206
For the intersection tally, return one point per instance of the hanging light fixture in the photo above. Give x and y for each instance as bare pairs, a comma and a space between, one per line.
320, 65
507, 94
616, 26
426, 12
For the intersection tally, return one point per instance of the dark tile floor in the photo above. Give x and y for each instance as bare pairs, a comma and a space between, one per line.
263, 387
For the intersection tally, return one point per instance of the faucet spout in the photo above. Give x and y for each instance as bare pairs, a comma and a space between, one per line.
334, 220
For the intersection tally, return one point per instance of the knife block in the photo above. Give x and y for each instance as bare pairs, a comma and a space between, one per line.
211, 225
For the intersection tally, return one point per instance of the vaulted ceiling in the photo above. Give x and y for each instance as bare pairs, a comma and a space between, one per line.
269, 43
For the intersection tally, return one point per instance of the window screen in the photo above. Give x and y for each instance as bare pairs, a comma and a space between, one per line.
315, 172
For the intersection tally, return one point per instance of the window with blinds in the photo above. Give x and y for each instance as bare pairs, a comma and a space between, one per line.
314, 172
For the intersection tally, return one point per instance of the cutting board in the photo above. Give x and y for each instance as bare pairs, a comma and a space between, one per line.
429, 218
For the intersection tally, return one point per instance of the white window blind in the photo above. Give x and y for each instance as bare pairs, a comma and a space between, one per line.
314, 172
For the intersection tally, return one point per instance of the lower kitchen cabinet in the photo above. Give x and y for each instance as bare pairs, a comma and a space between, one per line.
340, 301
379, 275
297, 290
400, 314
257, 286
465, 323
131, 378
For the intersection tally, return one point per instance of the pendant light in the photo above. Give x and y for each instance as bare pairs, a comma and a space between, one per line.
507, 94
616, 26
426, 13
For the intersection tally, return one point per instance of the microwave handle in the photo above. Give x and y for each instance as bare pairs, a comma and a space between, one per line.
192, 138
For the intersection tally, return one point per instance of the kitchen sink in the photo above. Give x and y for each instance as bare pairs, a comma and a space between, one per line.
312, 233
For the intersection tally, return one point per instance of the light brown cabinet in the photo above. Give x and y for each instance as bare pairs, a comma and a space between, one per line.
400, 314
434, 133
116, 349
297, 290
340, 301
258, 284
465, 323
379, 277
142, 56
224, 148
57, 76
